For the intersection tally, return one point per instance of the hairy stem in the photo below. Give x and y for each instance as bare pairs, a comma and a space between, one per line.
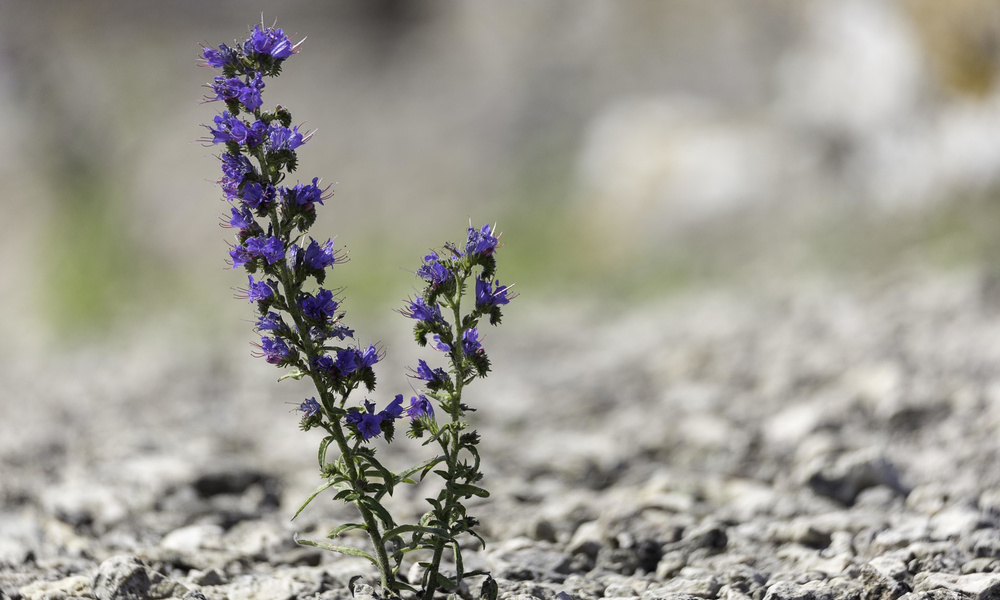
451, 455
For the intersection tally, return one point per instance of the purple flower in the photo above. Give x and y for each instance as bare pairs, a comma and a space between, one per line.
320, 307
249, 94
341, 332
310, 408
369, 357
259, 290
432, 376
235, 168
323, 363
470, 342
240, 256
370, 426
486, 296
271, 322
421, 311
227, 88
305, 194
443, 347
270, 40
256, 133
420, 406
347, 361
275, 350
242, 218
256, 195
481, 242
283, 138
228, 129
316, 257
368, 423
218, 57
271, 248
433, 271
394, 410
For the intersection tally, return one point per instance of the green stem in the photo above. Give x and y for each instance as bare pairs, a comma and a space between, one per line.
451, 456
334, 428
381, 557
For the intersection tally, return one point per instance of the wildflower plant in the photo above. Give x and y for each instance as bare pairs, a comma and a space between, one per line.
301, 328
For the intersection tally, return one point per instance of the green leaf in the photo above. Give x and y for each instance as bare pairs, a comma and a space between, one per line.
324, 486
467, 490
490, 589
379, 510
445, 583
459, 565
384, 473
424, 466
478, 537
322, 450
295, 374
397, 531
346, 527
348, 550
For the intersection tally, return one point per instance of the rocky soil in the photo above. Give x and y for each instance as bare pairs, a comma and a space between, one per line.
824, 442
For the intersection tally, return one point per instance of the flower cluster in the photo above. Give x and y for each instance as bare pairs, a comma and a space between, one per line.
298, 319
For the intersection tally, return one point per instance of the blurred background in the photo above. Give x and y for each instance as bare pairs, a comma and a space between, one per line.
626, 149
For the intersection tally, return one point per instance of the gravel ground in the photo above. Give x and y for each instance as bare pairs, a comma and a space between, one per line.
825, 441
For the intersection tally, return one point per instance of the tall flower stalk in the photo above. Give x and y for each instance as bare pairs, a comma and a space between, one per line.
301, 329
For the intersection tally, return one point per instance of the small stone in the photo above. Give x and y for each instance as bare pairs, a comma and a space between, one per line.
980, 586
193, 538
363, 591
846, 476
671, 563
879, 585
78, 585
787, 590
587, 539
209, 577
542, 529
122, 577
700, 588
